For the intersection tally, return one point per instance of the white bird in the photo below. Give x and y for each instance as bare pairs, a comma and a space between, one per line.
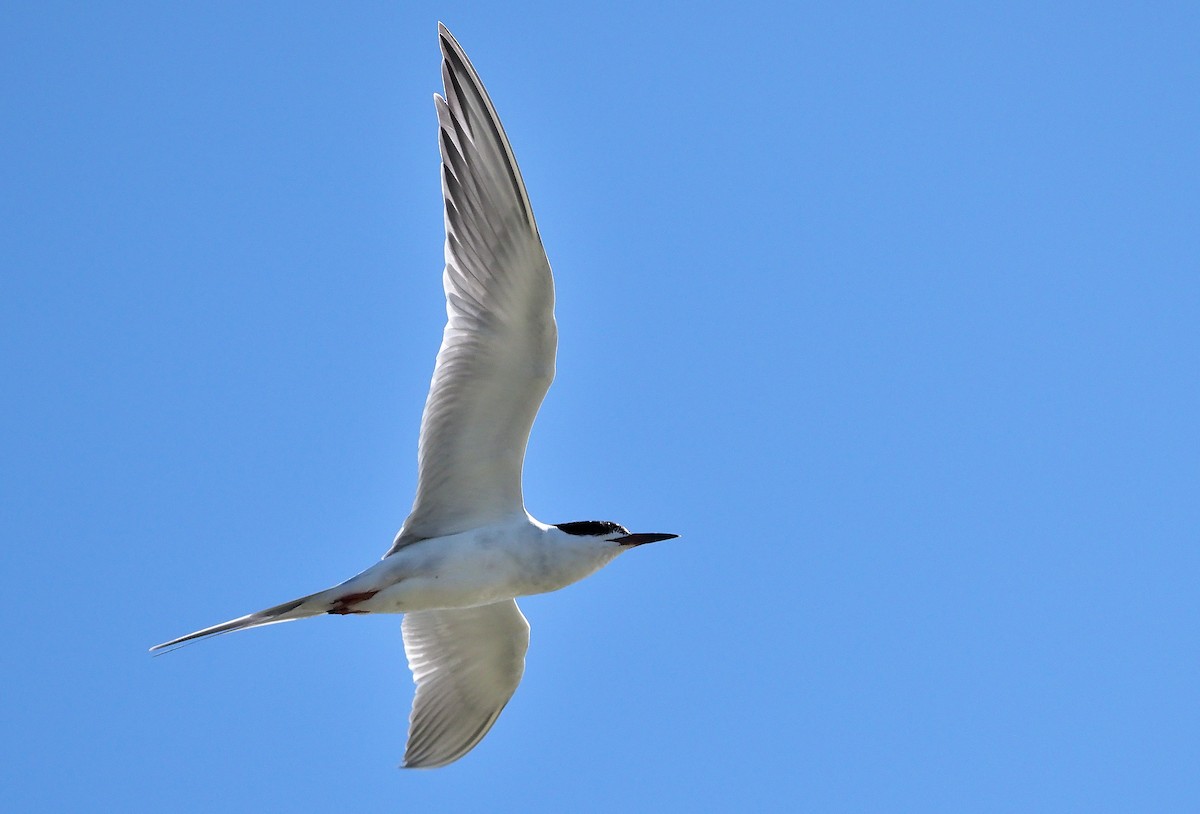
469, 548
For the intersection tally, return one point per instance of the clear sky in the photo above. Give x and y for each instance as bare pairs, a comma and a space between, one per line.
891, 310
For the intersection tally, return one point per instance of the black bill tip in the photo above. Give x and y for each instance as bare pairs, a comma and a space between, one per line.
642, 539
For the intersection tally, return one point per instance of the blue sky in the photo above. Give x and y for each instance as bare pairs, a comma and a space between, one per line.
892, 311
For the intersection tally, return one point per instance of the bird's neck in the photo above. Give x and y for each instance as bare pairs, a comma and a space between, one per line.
561, 559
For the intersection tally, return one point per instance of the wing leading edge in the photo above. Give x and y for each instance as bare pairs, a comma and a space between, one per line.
496, 360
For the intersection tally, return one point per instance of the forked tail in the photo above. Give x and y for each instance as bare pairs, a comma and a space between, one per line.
280, 613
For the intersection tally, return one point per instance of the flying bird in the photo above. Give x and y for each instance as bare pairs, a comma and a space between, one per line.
469, 548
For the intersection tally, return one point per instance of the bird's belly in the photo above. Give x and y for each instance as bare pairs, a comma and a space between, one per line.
438, 591
453, 577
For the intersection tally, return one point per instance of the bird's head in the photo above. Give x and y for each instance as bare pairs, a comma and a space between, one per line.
613, 532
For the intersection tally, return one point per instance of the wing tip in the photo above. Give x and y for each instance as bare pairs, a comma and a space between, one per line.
448, 41
418, 763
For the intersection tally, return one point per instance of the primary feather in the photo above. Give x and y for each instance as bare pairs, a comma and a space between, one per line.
496, 361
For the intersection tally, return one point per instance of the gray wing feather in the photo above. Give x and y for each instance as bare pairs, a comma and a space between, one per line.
467, 663
496, 361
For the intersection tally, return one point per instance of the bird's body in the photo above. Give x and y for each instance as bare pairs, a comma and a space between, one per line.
469, 548
499, 561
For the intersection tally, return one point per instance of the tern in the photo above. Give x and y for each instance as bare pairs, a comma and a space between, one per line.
469, 548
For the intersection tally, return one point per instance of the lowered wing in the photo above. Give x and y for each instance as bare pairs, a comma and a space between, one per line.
467, 663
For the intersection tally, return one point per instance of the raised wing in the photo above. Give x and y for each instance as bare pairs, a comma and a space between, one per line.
497, 356
467, 663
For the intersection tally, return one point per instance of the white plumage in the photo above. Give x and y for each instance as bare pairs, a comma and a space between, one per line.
468, 547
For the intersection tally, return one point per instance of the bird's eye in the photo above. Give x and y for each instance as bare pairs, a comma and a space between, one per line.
592, 528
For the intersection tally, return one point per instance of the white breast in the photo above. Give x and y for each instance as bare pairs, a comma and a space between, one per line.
482, 566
